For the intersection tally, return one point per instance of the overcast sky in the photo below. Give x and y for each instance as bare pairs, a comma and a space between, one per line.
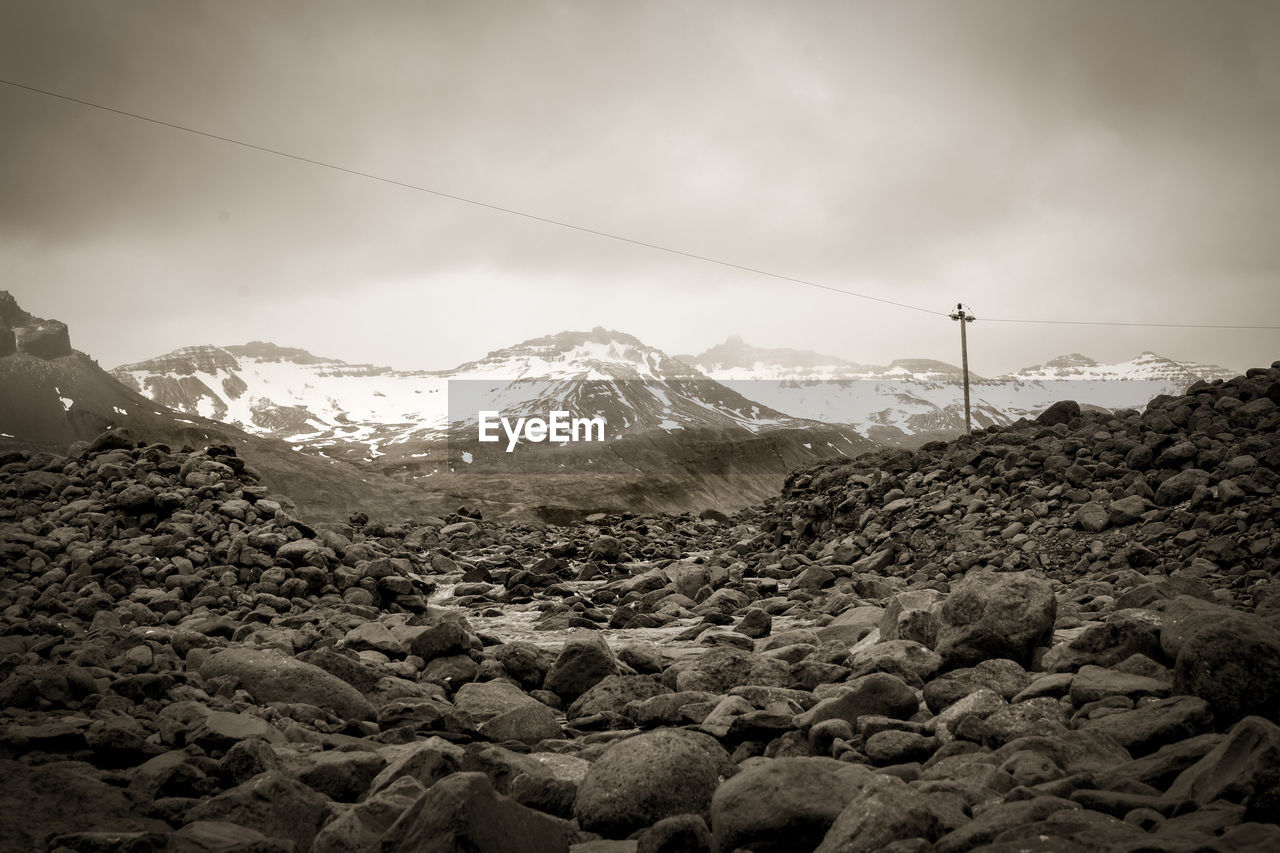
1101, 160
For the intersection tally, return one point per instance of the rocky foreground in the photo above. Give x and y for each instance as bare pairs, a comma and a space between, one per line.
1061, 636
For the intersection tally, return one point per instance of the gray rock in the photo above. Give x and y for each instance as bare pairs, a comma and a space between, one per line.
877, 694
464, 812
783, 804
885, 810
272, 676
272, 803
643, 779
583, 662
996, 615
361, 827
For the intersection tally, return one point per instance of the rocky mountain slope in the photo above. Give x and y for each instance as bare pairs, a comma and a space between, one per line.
911, 401
53, 396
1058, 636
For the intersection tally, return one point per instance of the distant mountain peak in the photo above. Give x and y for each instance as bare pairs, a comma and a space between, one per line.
267, 351
737, 353
1073, 359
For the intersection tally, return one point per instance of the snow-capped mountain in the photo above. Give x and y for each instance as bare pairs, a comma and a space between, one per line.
322, 402
1146, 367
738, 360
911, 400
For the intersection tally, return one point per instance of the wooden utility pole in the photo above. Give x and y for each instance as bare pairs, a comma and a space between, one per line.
964, 318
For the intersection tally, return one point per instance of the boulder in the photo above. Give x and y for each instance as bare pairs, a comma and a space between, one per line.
1243, 768
995, 615
878, 694
36, 802
611, 695
643, 779
426, 762
775, 805
273, 676
583, 662
912, 615
361, 827
272, 803
885, 810
1061, 412
1228, 658
722, 668
464, 812
503, 711
1150, 726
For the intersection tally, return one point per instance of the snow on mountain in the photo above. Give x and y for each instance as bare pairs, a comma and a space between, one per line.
291, 394
1145, 367
913, 399
319, 402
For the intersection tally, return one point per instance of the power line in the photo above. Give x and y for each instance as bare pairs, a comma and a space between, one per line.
605, 234
1120, 323
500, 209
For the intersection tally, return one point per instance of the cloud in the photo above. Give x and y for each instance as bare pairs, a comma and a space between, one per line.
1036, 159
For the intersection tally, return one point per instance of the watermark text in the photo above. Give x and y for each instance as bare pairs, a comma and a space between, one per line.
558, 426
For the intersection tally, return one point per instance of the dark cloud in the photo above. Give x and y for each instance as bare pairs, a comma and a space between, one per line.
1096, 159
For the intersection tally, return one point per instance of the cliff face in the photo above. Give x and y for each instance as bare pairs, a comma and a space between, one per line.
23, 332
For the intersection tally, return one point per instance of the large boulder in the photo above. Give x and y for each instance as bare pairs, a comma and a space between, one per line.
885, 810
722, 668
912, 615
362, 826
611, 695
1061, 412
583, 662
878, 694
995, 615
643, 779
425, 761
774, 805
464, 812
38, 801
1228, 658
1243, 768
1150, 726
274, 804
1181, 486
503, 711
273, 676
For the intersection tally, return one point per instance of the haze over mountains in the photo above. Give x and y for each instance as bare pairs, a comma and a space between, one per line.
910, 401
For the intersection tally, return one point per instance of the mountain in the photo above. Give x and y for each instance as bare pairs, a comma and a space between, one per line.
337, 407
673, 438
1146, 367
910, 401
54, 398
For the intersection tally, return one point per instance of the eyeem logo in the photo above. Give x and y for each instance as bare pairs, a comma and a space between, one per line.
558, 427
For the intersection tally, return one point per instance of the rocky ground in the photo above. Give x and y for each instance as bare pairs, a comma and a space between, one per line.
1060, 636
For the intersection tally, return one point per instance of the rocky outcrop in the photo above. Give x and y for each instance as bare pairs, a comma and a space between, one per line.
22, 332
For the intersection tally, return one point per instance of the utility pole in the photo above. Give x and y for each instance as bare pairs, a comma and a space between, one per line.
964, 318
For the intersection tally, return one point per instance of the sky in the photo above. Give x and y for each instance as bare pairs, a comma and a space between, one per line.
1101, 160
